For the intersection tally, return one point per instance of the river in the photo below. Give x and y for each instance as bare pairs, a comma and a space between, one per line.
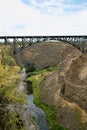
37, 113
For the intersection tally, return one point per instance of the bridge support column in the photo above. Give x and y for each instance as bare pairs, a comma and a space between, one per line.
5, 41
31, 41
14, 45
23, 46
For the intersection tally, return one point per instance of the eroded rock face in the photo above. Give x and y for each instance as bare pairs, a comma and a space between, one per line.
76, 82
55, 83
41, 54
67, 89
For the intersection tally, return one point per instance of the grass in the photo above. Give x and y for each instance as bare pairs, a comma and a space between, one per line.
9, 80
79, 118
36, 79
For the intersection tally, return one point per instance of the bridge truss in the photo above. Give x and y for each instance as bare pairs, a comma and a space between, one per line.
20, 42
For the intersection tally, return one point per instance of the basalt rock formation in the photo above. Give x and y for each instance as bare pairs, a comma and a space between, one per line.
66, 89
42, 54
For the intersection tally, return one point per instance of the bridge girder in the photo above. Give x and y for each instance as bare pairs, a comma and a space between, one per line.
24, 41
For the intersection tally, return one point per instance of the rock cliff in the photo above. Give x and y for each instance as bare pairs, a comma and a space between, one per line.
66, 89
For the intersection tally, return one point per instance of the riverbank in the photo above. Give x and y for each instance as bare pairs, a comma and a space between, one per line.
9, 79
38, 117
14, 113
36, 78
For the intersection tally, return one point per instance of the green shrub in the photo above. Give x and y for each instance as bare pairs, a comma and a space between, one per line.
9, 80
7, 59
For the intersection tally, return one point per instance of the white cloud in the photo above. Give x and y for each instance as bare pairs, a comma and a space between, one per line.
18, 18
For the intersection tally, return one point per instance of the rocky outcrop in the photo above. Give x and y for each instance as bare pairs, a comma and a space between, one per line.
76, 82
66, 89
41, 54
21, 115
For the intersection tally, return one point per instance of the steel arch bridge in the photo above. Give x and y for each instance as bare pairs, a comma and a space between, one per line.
20, 42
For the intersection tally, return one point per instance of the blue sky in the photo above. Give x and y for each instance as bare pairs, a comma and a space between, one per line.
63, 1
43, 17
67, 5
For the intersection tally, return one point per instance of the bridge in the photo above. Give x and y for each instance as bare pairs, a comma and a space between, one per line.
20, 42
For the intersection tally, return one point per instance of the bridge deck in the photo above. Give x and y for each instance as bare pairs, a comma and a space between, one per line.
22, 41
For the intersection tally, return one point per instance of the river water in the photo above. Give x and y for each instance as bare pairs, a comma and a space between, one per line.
36, 112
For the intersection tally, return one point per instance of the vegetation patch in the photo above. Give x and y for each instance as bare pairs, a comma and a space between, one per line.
79, 118
9, 80
37, 77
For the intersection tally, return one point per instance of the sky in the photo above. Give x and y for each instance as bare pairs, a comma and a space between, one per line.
43, 17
